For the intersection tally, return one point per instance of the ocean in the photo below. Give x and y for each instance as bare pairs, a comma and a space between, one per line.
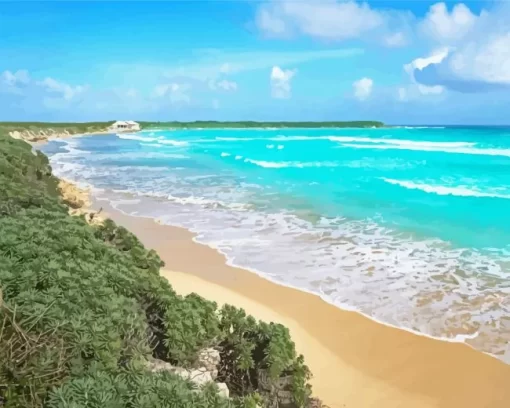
407, 225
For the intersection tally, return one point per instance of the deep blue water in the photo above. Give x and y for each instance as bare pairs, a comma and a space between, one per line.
410, 226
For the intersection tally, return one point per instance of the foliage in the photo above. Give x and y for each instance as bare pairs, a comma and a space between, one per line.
250, 346
133, 388
83, 308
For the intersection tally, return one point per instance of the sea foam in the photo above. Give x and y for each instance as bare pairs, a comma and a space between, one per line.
445, 190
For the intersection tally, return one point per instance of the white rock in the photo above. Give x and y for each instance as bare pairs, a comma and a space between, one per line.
209, 358
224, 391
199, 377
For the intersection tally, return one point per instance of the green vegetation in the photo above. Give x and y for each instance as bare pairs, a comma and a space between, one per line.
251, 124
91, 127
83, 310
72, 128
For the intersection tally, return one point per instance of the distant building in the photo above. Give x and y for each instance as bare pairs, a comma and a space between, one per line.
125, 126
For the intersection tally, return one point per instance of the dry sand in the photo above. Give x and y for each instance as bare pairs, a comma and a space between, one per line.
356, 362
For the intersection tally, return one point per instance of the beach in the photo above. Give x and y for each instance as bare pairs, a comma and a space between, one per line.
356, 362
380, 221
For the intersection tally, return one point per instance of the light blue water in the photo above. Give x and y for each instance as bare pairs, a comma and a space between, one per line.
410, 226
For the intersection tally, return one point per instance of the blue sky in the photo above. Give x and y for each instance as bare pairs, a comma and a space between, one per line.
402, 62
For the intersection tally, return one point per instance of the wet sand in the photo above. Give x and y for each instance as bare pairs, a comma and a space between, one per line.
356, 362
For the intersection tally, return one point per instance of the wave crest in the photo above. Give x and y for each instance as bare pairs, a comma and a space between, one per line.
281, 165
444, 190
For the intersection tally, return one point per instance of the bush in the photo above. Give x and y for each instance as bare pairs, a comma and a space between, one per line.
84, 308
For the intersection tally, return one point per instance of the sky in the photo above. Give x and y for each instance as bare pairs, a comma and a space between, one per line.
400, 62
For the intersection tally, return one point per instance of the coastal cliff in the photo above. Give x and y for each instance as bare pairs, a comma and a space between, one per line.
34, 132
42, 135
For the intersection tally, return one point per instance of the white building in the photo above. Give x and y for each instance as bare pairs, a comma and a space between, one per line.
125, 126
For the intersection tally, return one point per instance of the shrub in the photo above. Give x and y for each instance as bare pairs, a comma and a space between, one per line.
84, 308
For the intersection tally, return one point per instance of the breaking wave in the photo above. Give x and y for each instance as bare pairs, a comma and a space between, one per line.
444, 190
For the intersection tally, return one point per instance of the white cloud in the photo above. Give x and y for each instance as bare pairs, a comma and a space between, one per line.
402, 94
212, 66
479, 61
131, 93
271, 24
449, 27
14, 82
397, 39
225, 68
333, 20
281, 82
363, 88
486, 61
15, 78
227, 85
175, 92
66, 91
325, 19
49, 91
419, 64
223, 85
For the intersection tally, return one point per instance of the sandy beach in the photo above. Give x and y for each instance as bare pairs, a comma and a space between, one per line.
356, 362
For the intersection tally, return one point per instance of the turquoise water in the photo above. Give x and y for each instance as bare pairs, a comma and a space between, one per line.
410, 226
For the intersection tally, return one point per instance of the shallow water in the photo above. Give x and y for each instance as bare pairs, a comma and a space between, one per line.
410, 226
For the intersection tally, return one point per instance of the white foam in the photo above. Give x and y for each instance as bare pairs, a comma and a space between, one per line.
267, 164
238, 157
280, 147
424, 148
135, 155
444, 190
132, 136
223, 154
398, 142
207, 203
281, 165
422, 127
160, 139
404, 143
361, 266
233, 139
173, 142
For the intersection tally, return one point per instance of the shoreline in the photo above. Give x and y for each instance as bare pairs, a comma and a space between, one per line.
345, 350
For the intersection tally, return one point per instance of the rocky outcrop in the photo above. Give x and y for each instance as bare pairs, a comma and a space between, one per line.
41, 135
74, 196
78, 201
38, 136
279, 392
204, 371
210, 360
